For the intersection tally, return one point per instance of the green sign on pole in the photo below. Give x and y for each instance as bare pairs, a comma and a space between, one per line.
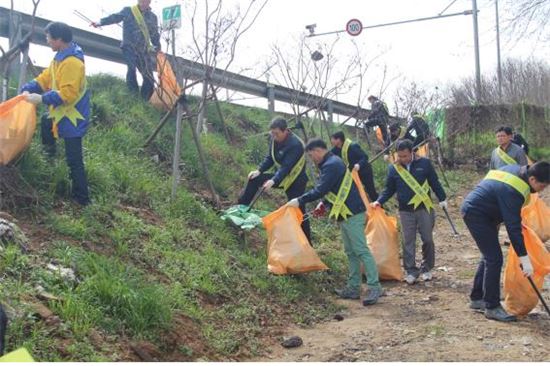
171, 17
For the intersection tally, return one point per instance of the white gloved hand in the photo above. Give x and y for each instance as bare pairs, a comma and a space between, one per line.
526, 265
443, 205
293, 203
356, 167
253, 174
33, 98
268, 184
386, 157
375, 204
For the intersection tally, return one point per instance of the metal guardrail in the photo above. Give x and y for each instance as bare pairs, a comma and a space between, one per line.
105, 48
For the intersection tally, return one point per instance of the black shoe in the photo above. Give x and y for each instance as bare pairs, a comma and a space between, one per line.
499, 314
347, 293
372, 296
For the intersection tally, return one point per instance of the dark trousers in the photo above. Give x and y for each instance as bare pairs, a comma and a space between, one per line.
487, 279
367, 178
294, 191
73, 156
3, 328
143, 63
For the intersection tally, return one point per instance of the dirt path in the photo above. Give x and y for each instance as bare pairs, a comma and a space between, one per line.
429, 321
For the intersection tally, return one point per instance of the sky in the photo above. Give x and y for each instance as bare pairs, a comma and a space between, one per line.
431, 53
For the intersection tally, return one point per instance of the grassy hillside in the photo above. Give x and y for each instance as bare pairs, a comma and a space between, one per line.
167, 278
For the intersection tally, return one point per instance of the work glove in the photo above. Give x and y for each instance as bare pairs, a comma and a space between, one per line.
293, 202
95, 24
443, 205
253, 174
386, 158
268, 184
526, 266
320, 210
33, 98
356, 167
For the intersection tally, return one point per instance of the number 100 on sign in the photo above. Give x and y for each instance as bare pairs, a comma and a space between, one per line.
354, 27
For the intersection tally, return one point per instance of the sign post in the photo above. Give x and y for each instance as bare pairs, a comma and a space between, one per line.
171, 17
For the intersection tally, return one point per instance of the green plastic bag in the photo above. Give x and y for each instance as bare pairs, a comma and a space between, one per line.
240, 216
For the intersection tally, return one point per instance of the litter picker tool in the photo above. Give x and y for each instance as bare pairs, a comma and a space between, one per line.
450, 221
255, 198
538, 294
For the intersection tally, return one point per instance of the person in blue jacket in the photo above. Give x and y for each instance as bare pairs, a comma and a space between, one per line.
499, 198
356, 159
286, 153
412, 178
140, 36
338, 190
62, 88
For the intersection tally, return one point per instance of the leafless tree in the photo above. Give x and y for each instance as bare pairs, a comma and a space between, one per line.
216, 32
17, 44
413, 97
530, 18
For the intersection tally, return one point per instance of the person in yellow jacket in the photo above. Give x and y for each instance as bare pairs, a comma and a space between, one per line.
62, 88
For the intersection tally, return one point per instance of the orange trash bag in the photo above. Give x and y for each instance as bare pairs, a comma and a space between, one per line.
536, 215
519, 296
382, 238
167, 91
288, 250
17, 125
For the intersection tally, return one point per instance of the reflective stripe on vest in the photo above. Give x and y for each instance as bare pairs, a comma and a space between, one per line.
19, 355
65, 110
338, 201
142, 26
345, 149
512, 180
294, 172
505, 157
420, 192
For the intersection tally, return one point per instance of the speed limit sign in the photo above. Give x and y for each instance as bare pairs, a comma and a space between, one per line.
354, 27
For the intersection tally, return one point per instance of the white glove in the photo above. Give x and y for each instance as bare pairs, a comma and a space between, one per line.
253, 174
33, 98
386, 157
375, 204
526, 265
268, 184
443, 205
356, 167
293, 203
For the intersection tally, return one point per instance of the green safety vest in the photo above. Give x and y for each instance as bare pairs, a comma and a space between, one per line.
338, 201
345, 149
142, 26
65, 110
512, 180
505, 157
420, 191
294, 172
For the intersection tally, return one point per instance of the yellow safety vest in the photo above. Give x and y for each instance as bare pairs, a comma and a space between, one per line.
294, 172
142, 26
19, 355
345, 149
512, 180
420, 191
338, 201
505, 157
65, 110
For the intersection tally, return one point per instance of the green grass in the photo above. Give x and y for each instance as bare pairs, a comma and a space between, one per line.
142, 259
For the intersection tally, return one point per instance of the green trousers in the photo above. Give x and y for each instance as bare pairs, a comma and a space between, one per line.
355, 246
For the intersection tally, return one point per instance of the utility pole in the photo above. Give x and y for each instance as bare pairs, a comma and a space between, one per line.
499, 66
476, 49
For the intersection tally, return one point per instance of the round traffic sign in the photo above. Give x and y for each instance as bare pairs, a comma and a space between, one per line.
354, 27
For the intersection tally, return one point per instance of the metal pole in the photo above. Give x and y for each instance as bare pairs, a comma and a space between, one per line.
499, 66
174, 42
177, 152
476, 49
